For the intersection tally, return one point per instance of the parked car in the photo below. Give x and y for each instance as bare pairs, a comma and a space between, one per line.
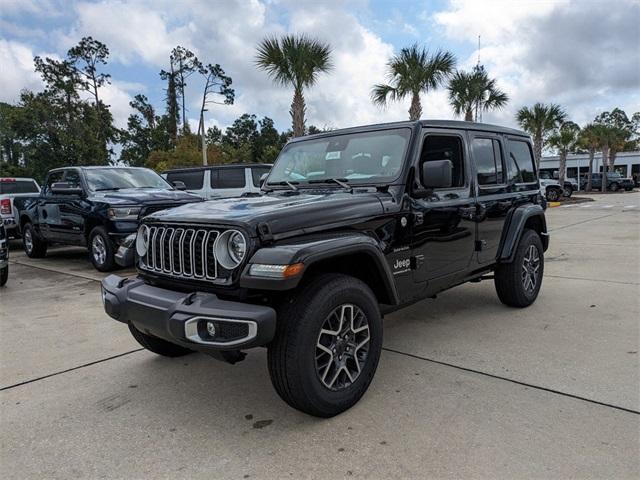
10, 188
222, 181
551, 188
96, 207
352, 224
570, 184
4, 256
615, 182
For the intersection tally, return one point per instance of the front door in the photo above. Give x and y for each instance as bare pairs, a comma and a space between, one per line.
443, 228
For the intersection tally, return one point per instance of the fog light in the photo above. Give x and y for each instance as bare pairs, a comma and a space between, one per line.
211, 329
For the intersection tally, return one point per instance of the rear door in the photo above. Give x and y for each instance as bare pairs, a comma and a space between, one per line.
494, 196
228, 182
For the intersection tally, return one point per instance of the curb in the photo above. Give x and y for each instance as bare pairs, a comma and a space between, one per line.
553, 204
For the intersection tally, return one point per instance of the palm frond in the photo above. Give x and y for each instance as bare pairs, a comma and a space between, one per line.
381, 94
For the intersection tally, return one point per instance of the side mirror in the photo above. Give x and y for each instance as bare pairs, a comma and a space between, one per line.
65, 188
437, 174
179, 185
263, 177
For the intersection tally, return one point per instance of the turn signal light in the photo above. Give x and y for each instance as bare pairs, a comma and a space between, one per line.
276, 271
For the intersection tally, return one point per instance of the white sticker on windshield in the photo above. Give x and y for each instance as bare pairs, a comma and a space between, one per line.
332, 155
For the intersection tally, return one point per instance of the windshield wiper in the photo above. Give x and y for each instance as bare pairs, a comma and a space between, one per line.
340, 181
291, 185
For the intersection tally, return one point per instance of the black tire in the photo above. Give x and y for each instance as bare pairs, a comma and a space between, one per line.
101, 250
4, 276
553, 194
33, 245
614, 187
510, 278
628, 189
293, 358
157, 345
567, 192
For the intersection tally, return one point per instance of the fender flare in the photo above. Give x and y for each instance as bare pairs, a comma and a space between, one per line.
316, 250
514, 226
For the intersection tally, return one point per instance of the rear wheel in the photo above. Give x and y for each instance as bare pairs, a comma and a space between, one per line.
101, 249
518, 283
33, 245
327, 345
4, 275
157, 345
553, 195
568, 191
614, 187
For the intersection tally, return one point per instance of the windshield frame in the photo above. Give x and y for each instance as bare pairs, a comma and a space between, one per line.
87, 172
328, 182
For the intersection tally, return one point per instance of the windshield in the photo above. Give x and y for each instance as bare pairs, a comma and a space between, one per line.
119, 178
370, 157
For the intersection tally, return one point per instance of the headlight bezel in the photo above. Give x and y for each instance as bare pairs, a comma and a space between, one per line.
222, 249
142, 240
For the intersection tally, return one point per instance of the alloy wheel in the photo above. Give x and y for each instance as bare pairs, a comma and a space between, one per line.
28, 240
99, 250
342, 347
530, 269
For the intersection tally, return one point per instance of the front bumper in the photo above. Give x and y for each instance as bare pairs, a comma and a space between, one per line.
182, 318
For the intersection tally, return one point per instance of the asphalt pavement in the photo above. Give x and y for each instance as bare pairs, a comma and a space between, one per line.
466, 387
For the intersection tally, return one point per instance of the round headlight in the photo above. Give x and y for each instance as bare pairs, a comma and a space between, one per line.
230, 249
142, 240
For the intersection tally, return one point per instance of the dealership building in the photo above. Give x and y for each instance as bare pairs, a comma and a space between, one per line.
626, 164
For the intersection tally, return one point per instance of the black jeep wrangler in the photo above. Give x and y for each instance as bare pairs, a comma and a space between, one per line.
352, 224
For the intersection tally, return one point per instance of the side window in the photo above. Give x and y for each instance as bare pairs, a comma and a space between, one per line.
445, 147
73, 177
193, 179
228, 178
488, 158
53, 177
520, 162
256, 173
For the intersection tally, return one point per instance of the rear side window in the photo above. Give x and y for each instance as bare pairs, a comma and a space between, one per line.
193, 180
520, 162
18, 186
227, 178
256, 173
488, 157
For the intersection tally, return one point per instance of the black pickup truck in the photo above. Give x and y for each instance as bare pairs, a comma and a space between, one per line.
352, 224
96, 207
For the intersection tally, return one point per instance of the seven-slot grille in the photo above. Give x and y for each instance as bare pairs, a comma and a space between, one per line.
181, 252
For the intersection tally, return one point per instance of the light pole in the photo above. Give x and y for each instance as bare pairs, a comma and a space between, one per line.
204, 142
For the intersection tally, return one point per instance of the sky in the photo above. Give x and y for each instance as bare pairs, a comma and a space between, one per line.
583, 55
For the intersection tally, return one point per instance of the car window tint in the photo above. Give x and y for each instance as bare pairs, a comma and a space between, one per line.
53, 177
228, 178
256, 173
520, 162
18, 186
484, 156
193, 179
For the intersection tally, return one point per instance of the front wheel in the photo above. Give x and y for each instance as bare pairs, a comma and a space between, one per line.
4, 275
101, 249
614, 187
327, 345
518, 283
552, 195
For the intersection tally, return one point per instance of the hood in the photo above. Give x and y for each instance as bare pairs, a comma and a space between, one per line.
283, 212
143, 196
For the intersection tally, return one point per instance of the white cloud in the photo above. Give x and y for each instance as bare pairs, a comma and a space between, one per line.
16, 70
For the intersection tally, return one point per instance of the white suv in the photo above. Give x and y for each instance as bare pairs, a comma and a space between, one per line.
220, 181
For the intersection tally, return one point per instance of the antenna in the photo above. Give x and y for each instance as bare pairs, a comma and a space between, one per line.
478, 50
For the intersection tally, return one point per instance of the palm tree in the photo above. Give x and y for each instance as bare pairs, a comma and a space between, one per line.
540, 121
412, 72
294, 60
565, 140
469, 91
590, 139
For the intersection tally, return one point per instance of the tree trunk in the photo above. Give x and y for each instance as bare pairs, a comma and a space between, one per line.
297, 112
562, 168
537, 148
468, 116
605, 167
591, 155
612, 159
415, 112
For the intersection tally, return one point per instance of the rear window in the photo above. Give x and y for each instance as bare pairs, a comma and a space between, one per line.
520, 162
256, 173
227, 178
18, 186
193, 180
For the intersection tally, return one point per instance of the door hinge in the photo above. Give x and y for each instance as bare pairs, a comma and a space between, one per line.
480, 244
